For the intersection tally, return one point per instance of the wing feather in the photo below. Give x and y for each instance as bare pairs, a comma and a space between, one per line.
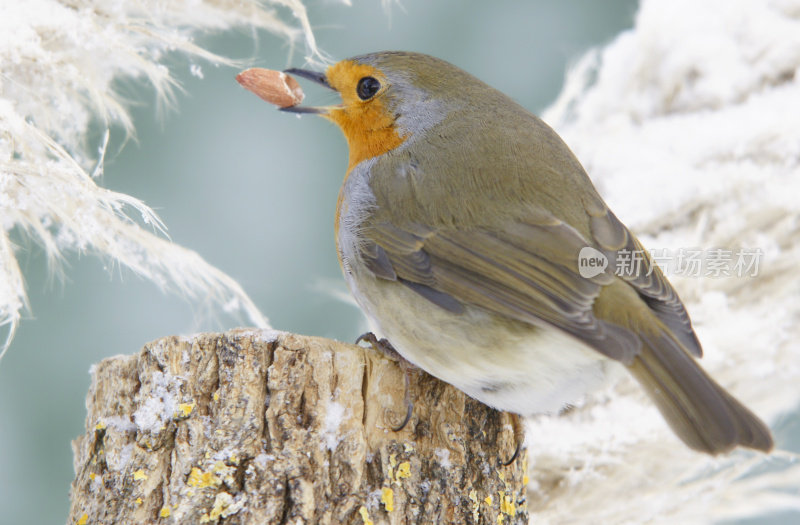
615, 240
527, 272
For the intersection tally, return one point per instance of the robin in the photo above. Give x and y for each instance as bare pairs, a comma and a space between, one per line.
462, 229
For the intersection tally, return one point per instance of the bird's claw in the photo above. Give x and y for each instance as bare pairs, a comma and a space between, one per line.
385, 347
407, 399
519, 438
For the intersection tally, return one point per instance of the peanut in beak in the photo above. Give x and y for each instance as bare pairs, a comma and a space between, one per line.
275, 87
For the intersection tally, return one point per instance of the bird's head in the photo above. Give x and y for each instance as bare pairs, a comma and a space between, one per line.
389, 98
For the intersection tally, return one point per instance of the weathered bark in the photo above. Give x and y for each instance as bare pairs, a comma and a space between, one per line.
259, 427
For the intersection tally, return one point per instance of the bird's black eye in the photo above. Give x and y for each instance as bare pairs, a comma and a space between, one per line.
367, 87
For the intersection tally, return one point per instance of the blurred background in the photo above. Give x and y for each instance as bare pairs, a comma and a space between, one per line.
253, 191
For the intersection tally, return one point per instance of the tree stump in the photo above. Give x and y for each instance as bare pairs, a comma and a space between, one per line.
261, 427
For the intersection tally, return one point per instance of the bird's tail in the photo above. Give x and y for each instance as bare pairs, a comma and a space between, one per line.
699, 411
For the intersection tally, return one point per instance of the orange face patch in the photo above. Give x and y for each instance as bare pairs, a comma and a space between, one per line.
367, 125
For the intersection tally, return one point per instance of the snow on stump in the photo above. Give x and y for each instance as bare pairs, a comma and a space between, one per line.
255, 427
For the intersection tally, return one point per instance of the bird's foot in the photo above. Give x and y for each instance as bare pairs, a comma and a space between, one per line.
385, 347
381, 345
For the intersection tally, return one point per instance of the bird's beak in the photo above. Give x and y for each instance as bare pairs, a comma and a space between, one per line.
314, 76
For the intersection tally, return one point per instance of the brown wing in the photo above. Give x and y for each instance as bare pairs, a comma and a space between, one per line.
615, 240
528, 271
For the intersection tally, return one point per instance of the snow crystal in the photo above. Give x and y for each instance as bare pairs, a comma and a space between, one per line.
158, 409
118, 460
196, 70
262, 460
443, 455
333, 420
119, 423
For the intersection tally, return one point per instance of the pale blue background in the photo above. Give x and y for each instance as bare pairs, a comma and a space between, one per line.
253, 191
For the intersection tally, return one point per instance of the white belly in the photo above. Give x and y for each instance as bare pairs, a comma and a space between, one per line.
517, 368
